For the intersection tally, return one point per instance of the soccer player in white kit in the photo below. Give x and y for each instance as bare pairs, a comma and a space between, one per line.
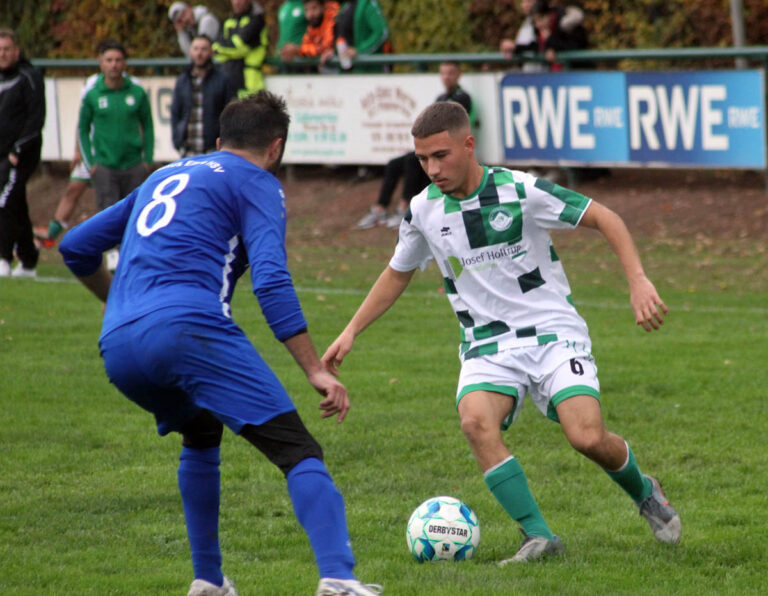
487, 230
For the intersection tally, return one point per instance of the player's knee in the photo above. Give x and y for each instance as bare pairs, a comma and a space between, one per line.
587, 440
310, 449
202, 432
475, 426
284, 441
288, 457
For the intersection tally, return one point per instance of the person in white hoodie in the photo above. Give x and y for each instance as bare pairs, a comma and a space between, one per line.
190, 21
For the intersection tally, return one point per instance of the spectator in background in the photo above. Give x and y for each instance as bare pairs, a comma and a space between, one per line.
199, 96
79, 181
22, 114
189, 22
407, 166
318, 38
115, 131
552, 37
569, 19
291, 24
361, 28
242, 47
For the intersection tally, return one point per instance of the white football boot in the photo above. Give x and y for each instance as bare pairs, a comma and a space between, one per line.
21, 271
201, 587
346, 587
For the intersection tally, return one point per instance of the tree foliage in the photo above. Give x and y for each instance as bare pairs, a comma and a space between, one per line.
628, 24
430, 26
72, 28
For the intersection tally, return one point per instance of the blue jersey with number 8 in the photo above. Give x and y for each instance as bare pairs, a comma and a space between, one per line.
186, 235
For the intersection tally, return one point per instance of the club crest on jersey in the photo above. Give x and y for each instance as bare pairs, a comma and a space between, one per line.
130, 100
500, 218
103, 103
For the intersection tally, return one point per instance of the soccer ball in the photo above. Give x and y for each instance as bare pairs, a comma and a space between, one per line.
443, 529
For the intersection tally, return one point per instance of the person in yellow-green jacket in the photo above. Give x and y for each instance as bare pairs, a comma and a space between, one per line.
242, 47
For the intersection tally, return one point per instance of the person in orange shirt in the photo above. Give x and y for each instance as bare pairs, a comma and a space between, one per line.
318, 38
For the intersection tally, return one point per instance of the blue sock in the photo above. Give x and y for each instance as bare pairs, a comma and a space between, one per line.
199, 484
319, 508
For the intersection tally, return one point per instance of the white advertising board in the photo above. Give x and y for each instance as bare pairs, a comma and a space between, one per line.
335, 119
362, 119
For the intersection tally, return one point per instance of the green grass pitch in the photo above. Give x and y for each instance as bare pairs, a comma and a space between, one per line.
88, 498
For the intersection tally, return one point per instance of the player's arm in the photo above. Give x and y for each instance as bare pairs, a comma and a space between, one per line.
336, 399
649, 309
264, 237
383, 294
98, 283
83, 245
283, 313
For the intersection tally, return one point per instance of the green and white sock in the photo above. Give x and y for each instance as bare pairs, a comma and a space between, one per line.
631, 479
508, 484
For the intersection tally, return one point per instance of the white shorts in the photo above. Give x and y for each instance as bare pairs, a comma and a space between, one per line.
80, 172
550, 374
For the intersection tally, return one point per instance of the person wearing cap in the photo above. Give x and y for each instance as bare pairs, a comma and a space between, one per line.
190, 21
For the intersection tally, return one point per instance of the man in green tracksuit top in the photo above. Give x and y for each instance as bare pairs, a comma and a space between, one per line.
242, 48
291, 23
115, 131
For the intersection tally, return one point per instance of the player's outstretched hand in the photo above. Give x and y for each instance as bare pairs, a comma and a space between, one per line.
649, 309
334, 355
336, 400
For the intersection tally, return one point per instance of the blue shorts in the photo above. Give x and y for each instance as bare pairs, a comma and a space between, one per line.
175, 362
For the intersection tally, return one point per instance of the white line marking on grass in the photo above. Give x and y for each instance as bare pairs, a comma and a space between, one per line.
683, 308
586, 304
55, 280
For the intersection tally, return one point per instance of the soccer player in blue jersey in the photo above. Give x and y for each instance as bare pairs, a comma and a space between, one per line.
169, 344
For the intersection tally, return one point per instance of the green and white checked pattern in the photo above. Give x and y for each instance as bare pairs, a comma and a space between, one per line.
500, 270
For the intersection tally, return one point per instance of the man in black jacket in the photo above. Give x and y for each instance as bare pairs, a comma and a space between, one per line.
200, 94
22, 114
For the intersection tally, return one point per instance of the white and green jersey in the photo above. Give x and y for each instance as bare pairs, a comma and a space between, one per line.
501, 273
